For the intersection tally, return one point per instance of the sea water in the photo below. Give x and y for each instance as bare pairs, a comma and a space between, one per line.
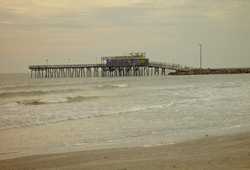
65, 115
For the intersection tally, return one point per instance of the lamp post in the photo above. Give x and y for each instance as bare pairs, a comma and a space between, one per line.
200, 45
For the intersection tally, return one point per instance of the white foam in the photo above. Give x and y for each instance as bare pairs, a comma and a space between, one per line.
120, 85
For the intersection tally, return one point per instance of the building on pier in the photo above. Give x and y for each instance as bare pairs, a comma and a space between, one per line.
134, 59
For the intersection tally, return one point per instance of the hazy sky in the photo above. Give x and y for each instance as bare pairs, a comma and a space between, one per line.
79, 31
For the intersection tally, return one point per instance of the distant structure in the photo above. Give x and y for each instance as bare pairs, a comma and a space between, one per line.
200, 45
134, 64
134, 59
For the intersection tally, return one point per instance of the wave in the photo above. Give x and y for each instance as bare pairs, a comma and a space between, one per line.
35, 92
134, 110
225, 86
179, 87
80, 98
40, 85
10, 123
144, 108
108, 86
61, 100
31, 102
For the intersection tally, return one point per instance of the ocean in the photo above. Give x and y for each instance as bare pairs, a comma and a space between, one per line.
66, 115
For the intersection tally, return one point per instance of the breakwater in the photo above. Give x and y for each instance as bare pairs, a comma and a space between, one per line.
211, 71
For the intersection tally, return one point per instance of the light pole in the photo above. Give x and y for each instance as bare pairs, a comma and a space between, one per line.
200, 45
47, 61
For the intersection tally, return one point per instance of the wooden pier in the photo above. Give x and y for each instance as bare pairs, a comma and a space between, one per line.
94, 70
135, 64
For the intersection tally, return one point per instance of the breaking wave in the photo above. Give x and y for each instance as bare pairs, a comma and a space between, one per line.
80, 98
27, 93
31, 102
108, 86
43, 119
35, 92
226, 85
62, 100
41, 85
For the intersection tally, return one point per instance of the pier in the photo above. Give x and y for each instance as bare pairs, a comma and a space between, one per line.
135, 64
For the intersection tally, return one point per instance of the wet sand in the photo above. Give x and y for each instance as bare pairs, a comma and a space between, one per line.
222, 153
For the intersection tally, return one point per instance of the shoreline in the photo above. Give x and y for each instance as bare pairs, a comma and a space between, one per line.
219, 152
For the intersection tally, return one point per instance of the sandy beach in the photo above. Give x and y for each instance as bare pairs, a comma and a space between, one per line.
223, 152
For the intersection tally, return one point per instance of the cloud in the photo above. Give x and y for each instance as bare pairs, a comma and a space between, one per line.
56, 7
116, 13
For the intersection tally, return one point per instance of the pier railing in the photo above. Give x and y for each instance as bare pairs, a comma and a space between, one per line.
66, 66
170, 66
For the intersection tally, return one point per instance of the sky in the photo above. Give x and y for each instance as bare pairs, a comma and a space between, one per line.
81, 31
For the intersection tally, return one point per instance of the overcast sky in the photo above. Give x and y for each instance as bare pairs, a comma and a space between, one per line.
79, 31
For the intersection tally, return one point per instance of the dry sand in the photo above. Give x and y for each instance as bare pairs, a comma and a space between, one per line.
210, 153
